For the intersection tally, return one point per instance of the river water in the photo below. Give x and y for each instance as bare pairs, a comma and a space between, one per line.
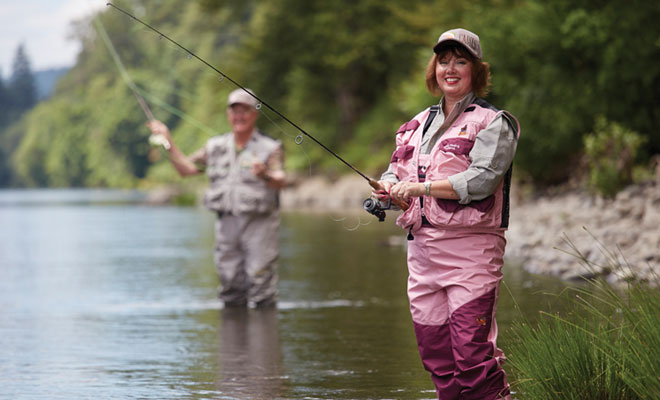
102, 297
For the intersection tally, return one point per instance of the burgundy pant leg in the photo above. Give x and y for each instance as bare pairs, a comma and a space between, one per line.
478, 371
435, 349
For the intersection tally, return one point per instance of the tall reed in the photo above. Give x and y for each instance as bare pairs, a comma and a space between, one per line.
607, 347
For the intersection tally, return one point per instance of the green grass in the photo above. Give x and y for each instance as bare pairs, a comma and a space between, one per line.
606, 348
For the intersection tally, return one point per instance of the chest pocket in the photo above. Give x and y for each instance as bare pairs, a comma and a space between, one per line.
460, 139
402, 153
217, 163
218, 170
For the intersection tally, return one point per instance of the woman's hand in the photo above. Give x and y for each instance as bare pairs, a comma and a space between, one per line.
384, 192
406, 190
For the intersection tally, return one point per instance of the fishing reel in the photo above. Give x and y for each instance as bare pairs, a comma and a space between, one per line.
376, 207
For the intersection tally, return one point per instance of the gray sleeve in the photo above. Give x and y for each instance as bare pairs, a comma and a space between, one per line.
491, 157
389, 175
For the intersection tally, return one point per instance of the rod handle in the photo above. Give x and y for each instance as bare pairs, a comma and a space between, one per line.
399, 203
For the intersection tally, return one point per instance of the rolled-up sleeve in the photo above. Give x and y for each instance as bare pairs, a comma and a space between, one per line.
491, 156
199, 159
389, 175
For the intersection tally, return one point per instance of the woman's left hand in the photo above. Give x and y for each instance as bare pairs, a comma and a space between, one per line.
406, 190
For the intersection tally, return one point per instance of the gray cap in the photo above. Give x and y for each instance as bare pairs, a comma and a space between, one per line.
461, 36
241, 96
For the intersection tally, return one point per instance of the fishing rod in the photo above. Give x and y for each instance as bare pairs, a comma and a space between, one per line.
156, 140
373, 183
122, 70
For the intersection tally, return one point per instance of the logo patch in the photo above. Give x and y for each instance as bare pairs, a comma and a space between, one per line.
481, 321
463, 131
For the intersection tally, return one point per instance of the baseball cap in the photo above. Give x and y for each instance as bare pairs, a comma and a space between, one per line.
243, 97
461, 36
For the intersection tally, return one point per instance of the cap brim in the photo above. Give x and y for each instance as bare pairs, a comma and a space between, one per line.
439, 46
447, 42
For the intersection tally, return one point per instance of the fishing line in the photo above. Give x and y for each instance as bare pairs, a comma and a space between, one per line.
299, 139
122, 70
356, 227
141, 94
308, 159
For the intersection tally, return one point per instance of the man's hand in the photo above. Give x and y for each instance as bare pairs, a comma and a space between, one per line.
158, 128
259, 170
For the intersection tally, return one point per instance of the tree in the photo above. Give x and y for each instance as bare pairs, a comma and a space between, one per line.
557, 65
3, 103
331, 63
22, 88
4, 170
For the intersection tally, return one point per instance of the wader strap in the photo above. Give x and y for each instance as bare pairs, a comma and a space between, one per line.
432, 113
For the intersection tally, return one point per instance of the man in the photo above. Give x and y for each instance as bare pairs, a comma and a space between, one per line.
246, 173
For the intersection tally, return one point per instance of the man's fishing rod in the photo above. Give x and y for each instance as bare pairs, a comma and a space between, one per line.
129, 82
373, 183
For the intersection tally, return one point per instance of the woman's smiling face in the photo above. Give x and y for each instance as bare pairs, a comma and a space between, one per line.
454, 75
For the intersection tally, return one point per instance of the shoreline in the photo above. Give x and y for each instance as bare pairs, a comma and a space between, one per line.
619, 236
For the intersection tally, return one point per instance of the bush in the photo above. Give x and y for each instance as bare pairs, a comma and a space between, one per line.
611, 151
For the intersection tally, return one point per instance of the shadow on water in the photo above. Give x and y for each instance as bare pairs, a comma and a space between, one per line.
113, 299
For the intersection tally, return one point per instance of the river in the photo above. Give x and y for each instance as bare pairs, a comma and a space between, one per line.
104, 297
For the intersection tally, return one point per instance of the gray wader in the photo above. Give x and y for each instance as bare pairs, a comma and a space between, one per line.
246, 252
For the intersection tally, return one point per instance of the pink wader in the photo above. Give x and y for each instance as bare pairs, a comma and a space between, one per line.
453, 285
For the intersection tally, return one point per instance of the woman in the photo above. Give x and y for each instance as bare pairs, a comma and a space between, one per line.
452, 164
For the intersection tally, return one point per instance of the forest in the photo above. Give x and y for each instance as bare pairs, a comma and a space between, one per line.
581, 76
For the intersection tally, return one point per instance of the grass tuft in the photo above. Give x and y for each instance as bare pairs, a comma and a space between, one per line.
606, 348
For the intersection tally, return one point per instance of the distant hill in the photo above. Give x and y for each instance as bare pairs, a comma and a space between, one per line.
46, 79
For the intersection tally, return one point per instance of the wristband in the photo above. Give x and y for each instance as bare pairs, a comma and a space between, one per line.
427, 187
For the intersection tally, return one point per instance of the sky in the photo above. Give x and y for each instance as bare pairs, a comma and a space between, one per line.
43, 26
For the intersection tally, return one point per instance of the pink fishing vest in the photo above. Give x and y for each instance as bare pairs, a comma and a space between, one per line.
449, 156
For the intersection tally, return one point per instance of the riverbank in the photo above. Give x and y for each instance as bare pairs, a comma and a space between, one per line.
620, 236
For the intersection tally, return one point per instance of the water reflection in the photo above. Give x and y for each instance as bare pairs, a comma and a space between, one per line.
119, 301
250, 358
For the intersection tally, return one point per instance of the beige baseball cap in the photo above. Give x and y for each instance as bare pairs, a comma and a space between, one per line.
461, 36
241, 96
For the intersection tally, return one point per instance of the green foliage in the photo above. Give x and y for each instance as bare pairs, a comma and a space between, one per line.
558, 64
605, 350
611, 150
349, 73
608, 347
340, 59
560, 358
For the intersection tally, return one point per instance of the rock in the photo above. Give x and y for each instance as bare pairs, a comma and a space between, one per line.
555, 235
162, 195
